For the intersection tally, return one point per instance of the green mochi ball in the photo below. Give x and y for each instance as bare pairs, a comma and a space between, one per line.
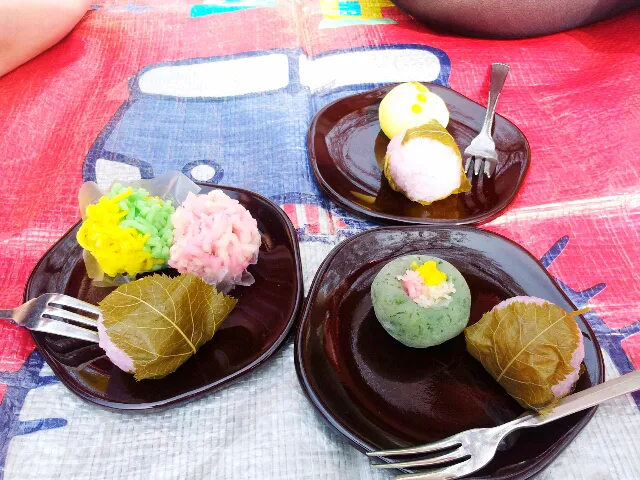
408, 322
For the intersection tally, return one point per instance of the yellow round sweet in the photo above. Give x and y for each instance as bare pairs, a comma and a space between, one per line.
410, 105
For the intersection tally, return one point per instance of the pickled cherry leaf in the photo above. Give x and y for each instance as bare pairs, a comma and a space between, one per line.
527, 348
161, 321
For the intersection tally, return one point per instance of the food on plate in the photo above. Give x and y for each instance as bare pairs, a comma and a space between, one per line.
215, 238
151, 326
421, 300
410, 105
532, 347
425, 165
127, 231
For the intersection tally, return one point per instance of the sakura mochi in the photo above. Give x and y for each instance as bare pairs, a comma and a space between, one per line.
532, 347
425, 165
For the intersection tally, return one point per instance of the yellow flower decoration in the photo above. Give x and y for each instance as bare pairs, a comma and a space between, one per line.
429, 273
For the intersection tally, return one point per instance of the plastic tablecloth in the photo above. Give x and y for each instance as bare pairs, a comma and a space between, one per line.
224, 91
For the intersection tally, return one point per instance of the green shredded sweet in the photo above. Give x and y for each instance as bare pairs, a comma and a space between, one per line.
150, 216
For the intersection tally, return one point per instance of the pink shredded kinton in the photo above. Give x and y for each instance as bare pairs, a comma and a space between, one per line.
215, 238
412, 283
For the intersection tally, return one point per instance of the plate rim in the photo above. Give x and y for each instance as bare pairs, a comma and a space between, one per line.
386, 217
362, 445
199, 393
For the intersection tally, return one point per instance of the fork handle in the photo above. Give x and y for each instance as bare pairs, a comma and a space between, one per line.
588, 398
8, 314
593, 396
499, 73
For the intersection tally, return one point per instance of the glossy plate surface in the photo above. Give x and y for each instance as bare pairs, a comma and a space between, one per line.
347, 149
253, 331
381, 394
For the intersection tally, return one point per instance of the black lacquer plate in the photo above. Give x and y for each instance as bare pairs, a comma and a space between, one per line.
260, 322
347, 149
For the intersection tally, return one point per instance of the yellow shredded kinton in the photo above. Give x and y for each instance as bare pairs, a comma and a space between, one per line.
117, 250
128, 231
429, 273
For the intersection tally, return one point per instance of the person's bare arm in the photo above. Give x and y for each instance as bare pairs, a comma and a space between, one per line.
29, 27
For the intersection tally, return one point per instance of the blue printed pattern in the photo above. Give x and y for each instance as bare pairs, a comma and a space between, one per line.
610, 339
226, 6
350, 8
255, 141
19, 384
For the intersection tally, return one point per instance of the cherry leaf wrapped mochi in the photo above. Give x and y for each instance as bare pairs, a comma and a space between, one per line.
424, 164
532, 347
151, 326
216, 239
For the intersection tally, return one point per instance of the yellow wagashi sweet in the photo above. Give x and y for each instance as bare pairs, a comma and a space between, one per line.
410, 105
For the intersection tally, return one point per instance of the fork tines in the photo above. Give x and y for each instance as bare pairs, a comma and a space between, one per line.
71, 302
489, 167
60, 321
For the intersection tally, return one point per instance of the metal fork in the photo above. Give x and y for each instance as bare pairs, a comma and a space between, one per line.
474, 448
47, 314
483, 148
